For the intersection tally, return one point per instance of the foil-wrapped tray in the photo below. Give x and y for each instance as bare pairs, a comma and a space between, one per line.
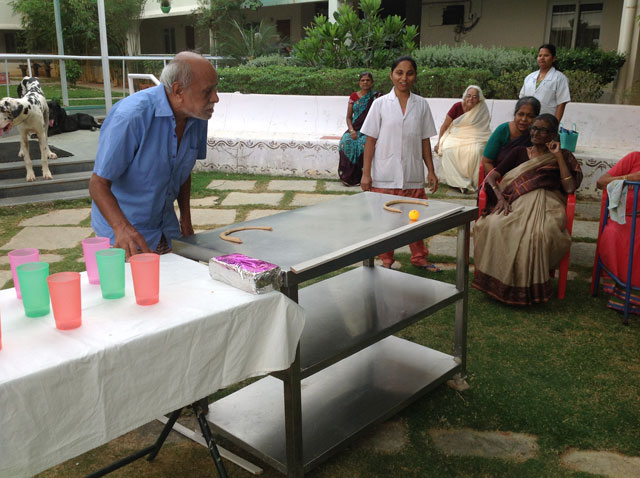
245, 273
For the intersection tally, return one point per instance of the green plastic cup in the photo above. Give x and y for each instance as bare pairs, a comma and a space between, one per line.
111, 272
34, 289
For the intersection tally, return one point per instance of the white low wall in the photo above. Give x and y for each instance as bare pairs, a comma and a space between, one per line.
299, 135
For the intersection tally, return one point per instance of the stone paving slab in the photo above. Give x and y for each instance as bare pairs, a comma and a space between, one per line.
230, 184
258, 213
5, 276
58, 218
588, 210
446, 245
48, 238
205, 202
613, 465
582, 253
585, 229
334, 186
241, 199
518, 447
4, 259
303, 199
292, 185
202, 217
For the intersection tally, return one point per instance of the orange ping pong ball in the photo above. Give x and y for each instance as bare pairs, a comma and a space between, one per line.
414, 215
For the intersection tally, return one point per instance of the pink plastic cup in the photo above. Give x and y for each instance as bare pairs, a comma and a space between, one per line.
64, 289
18, 257
145, 269
89, 248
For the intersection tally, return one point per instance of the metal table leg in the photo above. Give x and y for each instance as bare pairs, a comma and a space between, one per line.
200, 408
293, 406
462, 283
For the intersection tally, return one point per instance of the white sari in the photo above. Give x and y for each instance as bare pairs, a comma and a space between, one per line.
461, 147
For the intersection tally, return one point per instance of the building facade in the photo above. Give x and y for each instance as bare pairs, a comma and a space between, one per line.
607, 24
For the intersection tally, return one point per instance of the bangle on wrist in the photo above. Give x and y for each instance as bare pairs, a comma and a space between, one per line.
568, 177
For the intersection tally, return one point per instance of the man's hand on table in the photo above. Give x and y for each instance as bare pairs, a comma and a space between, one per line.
129, 239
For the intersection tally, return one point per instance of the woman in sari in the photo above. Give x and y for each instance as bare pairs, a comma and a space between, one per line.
525, 236
462, 140
352, 142
615, 239
511, 134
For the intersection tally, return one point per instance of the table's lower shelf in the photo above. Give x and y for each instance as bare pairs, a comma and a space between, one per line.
337, 403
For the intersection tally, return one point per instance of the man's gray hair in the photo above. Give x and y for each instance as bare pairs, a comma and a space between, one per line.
177, 70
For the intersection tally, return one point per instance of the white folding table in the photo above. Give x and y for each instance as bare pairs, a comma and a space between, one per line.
63, 393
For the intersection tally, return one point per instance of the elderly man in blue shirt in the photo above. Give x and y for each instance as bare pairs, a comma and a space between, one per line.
148, 146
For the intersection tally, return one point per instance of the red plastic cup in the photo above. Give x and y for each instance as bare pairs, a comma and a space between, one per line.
89, 248
18, 257
64, 289
145, 269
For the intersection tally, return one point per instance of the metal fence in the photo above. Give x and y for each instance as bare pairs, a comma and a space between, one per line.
29, 58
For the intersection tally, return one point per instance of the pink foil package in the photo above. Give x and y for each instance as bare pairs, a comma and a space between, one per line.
245, 273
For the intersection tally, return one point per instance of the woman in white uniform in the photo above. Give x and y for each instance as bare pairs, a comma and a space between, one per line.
547, 84
398, 147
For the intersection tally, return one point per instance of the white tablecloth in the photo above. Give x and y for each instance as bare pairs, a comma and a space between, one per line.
63, 393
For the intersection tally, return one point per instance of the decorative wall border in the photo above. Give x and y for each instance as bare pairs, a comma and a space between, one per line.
214, 143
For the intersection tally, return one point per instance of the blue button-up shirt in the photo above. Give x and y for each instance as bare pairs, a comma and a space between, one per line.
138, 152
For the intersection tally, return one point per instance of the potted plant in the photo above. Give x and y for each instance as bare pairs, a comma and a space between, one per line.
165, 6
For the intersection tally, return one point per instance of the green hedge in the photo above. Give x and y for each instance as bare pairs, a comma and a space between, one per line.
431, 82
498, 60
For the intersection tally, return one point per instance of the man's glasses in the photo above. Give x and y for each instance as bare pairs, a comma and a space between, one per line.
540, 130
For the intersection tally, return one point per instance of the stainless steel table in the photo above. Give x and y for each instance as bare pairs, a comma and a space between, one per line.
350, 371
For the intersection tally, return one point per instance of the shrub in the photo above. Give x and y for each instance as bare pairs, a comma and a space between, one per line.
434, 82
250, 42
605, 64
494, 59
585, 86
271, 60
508, 85
430, 83
73, 71
368, 42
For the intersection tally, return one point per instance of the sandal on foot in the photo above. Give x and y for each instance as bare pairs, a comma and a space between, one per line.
429, 266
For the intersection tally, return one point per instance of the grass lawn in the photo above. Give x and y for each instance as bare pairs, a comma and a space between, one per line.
566, 372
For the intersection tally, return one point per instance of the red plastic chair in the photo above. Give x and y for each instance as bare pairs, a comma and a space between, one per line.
563, 268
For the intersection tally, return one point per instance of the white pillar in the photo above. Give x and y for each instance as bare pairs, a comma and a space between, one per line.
104, 52
63, 69
632, 57
133, 39
333, 7
627, 26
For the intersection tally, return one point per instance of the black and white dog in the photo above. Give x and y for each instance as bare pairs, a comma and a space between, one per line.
30, 114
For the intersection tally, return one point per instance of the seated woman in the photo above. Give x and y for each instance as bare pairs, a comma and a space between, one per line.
614, 242
511, 134
525, 235
352, 142
463, 135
